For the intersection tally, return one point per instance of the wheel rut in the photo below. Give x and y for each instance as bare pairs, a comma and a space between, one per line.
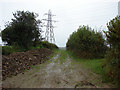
54, 74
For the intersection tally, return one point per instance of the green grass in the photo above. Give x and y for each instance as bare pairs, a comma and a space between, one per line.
55, 51
95, 65
63, 56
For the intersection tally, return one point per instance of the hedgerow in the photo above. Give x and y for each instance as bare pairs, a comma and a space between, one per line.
87, 43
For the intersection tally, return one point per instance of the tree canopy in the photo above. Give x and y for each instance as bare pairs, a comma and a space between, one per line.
86, 43
23, 30
113, 33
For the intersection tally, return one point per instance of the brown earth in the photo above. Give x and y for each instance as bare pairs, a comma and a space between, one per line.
53, 74
20, 61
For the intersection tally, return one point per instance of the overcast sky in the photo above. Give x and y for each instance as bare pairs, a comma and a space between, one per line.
70, 14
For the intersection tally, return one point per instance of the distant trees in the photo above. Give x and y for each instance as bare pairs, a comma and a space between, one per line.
113, 55
23, 31
86, 43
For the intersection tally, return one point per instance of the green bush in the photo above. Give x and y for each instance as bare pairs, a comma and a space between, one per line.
44, 44
37, 47
48, 45
86, 43
6, 50
112, 66
112, 63
18, 48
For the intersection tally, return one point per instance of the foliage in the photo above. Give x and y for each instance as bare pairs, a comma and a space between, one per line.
6, 50
37, 47
113, 55
46, 44
113, 35
23, 30
86, 43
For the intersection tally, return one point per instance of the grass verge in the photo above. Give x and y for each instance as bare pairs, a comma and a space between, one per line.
95, 65
63, 56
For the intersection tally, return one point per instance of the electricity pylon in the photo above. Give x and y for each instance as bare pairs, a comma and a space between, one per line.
49, 34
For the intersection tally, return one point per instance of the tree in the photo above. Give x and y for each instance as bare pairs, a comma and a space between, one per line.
86, 43
23, 30
113, 55
113, 35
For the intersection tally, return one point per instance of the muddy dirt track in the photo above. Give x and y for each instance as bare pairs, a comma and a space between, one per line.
54, 74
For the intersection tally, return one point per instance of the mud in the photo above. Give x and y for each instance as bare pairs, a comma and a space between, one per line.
53, 74
18, 62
